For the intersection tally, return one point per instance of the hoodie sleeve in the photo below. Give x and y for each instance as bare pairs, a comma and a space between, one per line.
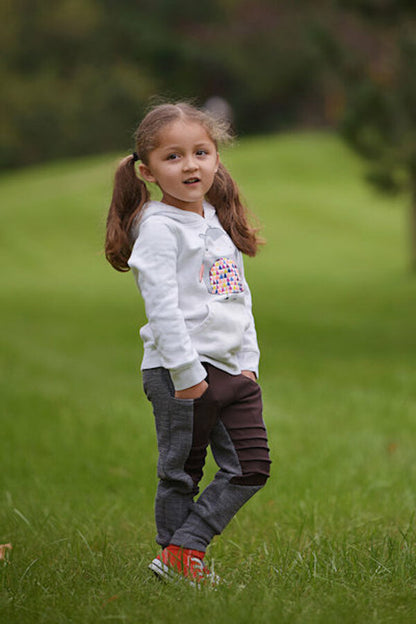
153, 261
249, 354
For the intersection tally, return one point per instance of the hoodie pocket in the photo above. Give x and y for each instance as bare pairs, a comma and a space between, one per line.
221, 332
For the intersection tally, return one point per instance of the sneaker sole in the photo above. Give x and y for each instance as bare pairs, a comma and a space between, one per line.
163, 572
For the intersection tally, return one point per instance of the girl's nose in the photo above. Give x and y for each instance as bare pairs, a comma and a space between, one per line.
190, 164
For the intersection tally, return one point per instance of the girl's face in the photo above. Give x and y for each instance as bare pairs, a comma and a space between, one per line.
183, 165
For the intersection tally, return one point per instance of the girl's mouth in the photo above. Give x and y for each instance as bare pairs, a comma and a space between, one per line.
192, 181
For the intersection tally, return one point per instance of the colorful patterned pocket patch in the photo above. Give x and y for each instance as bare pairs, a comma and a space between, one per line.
224, 277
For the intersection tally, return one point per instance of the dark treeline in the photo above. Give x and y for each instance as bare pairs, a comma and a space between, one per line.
77, 74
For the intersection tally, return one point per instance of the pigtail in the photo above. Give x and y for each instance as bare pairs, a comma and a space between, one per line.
129, 195
232, 213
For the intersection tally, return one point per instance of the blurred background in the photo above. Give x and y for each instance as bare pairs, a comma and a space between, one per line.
77, 74
335, 304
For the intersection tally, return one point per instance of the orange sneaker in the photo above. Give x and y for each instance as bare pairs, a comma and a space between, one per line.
175, 563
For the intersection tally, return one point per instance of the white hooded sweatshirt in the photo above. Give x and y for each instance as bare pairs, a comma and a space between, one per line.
197, 302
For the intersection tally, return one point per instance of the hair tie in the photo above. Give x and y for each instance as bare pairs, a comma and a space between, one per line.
135, 156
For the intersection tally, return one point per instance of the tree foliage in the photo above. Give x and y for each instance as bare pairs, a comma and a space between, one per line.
376, 71
66, 91
79, 73
377, 75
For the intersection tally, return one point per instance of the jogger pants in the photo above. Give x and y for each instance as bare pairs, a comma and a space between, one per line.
228, 417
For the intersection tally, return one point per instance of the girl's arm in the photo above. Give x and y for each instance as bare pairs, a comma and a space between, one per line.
153, 261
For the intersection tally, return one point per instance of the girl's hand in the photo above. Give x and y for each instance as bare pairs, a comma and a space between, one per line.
249, 374
194, 392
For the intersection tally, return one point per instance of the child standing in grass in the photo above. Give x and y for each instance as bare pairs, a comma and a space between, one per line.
201, 356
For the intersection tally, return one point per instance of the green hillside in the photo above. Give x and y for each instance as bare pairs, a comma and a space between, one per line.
331, 538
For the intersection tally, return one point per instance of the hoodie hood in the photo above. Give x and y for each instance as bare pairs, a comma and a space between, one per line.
177, 214
158, 208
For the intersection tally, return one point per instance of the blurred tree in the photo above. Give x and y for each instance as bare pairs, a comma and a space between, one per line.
259, 57
374, 56
77, 74
65, 90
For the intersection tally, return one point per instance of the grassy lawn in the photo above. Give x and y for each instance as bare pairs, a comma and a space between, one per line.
332, 536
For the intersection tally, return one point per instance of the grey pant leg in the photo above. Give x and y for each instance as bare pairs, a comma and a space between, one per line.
220, 500
174, 424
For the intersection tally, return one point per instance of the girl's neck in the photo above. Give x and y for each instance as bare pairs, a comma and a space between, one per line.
197, 208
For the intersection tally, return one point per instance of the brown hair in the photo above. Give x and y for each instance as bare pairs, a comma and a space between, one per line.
130, 192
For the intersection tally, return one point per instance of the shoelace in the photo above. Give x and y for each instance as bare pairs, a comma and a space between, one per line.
213, 578
197, 568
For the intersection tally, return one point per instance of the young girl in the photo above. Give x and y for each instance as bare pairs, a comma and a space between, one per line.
201, 357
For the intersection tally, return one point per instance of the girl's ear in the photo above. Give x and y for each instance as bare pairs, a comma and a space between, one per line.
218, 162
146, 173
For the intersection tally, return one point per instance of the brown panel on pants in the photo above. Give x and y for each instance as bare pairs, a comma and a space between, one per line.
235, 400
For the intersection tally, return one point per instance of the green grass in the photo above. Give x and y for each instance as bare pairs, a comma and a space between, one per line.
332, 536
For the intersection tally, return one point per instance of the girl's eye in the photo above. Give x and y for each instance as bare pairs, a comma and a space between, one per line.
201, 152
172, 157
